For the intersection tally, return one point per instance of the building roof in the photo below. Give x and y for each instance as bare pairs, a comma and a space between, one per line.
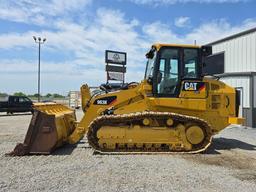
237, 74
233, 36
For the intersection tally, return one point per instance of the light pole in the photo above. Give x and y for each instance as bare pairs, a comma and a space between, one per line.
40, 41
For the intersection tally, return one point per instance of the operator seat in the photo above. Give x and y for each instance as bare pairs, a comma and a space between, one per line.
168, 86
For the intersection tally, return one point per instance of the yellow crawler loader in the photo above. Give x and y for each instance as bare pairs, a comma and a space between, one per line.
174, 109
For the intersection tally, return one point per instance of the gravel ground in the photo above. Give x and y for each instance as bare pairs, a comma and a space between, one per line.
229, 165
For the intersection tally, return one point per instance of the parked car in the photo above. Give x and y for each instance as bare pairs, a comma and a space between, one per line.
16, 104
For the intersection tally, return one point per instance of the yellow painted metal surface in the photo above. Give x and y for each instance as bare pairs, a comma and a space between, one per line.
214, 104
159, 45
85, 96
51, 108
143, 135
236, 120
195, 134
127, 100
65, 119
169, 122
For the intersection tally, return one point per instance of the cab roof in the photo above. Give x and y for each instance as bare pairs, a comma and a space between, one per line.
159, 45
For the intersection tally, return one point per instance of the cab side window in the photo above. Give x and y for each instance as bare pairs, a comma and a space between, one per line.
167, 77
190, 63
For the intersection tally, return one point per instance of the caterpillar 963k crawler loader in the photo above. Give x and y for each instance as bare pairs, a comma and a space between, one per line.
174, 109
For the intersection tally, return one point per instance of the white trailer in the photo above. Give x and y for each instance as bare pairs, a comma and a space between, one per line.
75, 99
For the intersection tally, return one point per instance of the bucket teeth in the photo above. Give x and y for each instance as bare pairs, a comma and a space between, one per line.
21, 149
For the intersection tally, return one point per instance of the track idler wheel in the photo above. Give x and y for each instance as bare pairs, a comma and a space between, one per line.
195, 134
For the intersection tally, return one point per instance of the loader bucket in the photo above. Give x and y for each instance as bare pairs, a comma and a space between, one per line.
49, 128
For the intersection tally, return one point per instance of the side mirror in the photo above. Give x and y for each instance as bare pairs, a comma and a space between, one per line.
150, 55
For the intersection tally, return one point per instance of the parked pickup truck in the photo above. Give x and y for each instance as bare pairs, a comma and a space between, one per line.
15, 104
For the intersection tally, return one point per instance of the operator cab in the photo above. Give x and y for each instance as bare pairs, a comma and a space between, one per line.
168, 65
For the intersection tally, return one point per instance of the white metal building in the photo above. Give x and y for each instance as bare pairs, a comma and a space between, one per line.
234, 58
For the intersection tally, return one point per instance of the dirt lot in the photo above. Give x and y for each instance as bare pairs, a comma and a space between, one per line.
229, 165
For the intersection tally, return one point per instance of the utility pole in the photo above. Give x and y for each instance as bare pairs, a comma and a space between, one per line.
39, 41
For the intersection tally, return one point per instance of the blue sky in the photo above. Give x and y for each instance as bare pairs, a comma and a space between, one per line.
79, 31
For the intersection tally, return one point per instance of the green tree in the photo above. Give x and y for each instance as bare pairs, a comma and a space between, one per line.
48, 95
36, 95
3, 94
56, 95
19, 94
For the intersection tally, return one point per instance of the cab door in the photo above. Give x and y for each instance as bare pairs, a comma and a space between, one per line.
24, 104
13, 104
167, 73
176, 65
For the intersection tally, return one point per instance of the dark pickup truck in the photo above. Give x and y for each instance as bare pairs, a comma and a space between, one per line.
16, 104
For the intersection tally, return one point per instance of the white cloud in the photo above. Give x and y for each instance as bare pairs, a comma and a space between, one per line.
171, 2
108, 30
182, 21
204, 33
39, 12
216, 30
15, 40
61, 77
159, 32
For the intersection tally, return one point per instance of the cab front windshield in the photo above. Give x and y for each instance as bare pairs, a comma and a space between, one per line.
150, 64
